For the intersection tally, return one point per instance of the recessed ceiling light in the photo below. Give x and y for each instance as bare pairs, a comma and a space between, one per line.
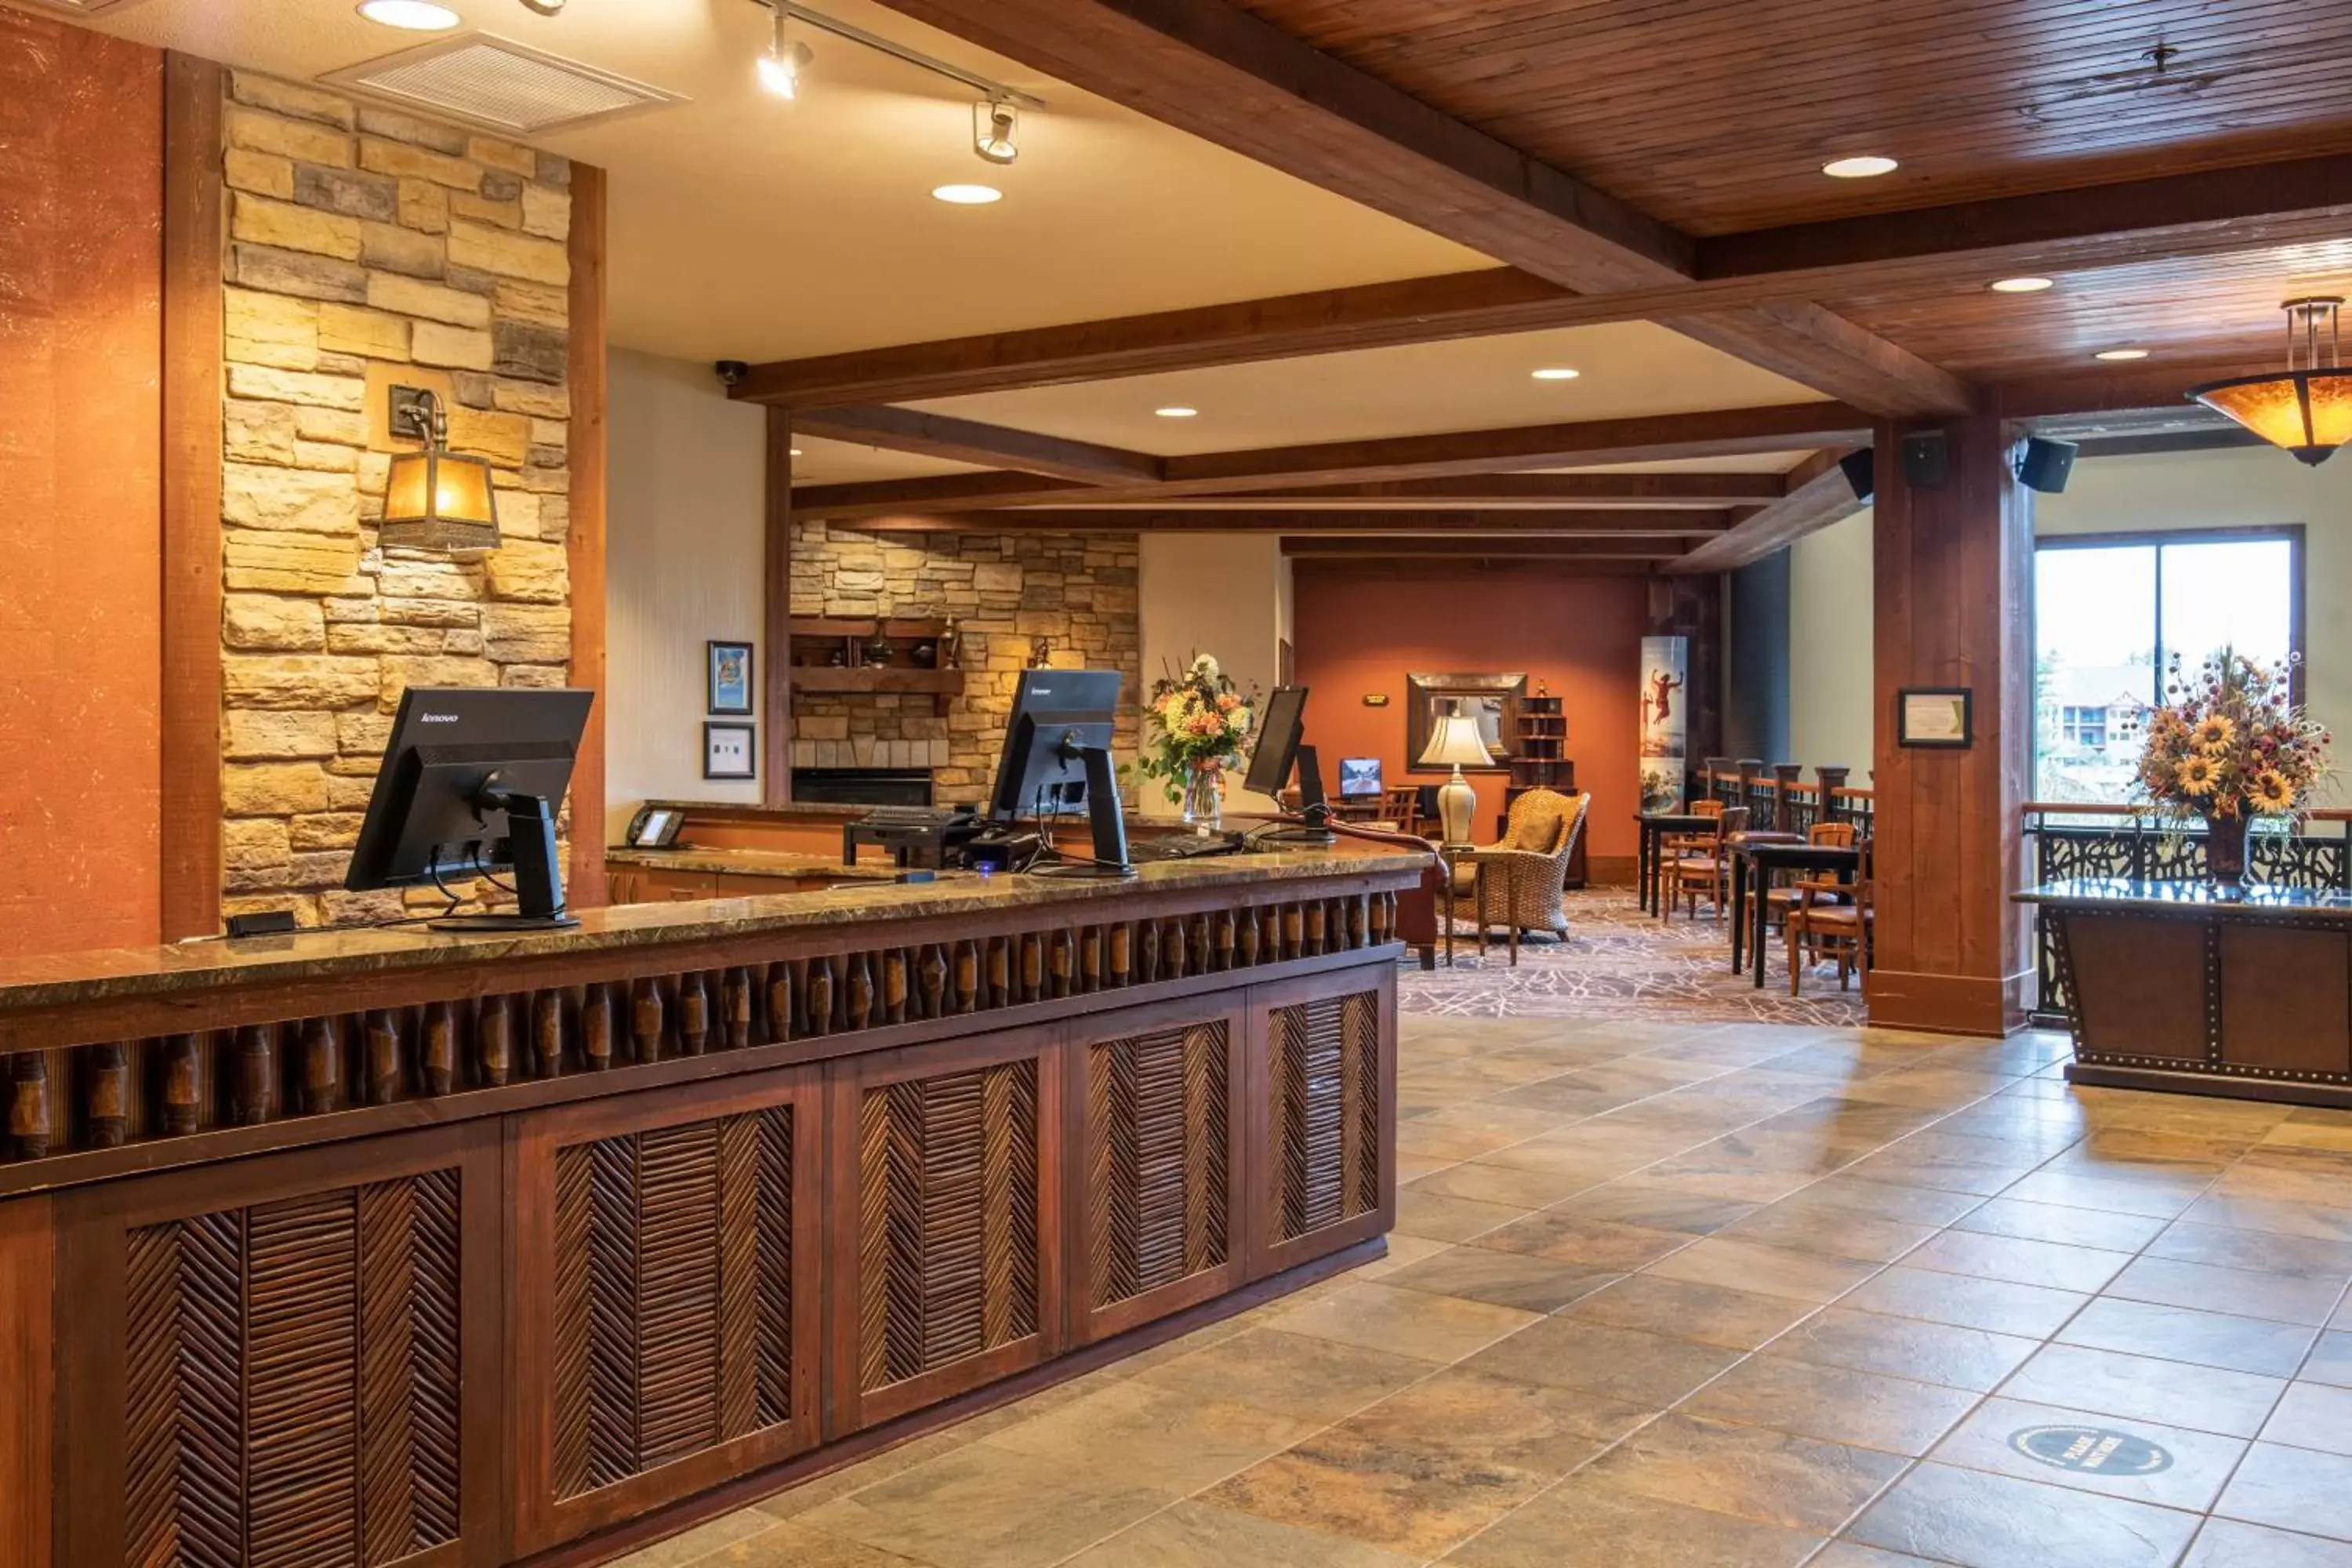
2019, 285
2121, 353
796, 451
1555, 372
969, 196
1859, 168
1176, 411
411, 15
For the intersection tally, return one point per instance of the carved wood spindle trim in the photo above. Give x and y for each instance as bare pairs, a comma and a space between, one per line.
1000, 971
1294, 931
1172, 948
645, 1018
494, 1041
182, 1084
1245, 936
1388, 907
380, 1072
931, 981
1121, 969
547, 1033
107, 1095
1090, 959
894, 986
1033, 966
1227, 937
256, 1074
439, 1057
1360, 921
1062, 961
783, 1000
820, 996
1147, 951
1204, 950
597, 1026
1313, 935
967, 976
693, 1013
31, 1122
321, 1070
735, 1008
861, 991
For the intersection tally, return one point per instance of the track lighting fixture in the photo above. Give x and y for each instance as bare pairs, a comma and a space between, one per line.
995, 131
780, 68
544, 7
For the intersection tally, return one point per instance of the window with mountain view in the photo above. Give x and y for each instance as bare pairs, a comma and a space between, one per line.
2110, 614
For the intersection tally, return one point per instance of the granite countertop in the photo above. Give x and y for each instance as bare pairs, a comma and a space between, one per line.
2255, 898
193, 968
875, 867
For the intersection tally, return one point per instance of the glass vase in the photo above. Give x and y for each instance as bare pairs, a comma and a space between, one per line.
1204, 796
2225, 850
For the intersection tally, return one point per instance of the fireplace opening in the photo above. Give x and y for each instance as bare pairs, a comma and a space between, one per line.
863, 786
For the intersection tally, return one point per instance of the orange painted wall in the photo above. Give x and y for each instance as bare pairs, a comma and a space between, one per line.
80, 487
1357, 633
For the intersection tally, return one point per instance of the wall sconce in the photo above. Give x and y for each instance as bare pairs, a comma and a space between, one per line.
434, 499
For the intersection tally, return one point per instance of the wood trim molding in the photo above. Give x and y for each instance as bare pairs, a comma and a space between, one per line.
1560, 521
970, 441
776, 661
584, 540
189, 745
1817, 496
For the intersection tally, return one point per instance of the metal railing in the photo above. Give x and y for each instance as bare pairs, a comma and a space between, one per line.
1778, 801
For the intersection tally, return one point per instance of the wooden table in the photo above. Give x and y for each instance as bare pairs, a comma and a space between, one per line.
2181, 987
1654, 826
472, 1249
1757, 857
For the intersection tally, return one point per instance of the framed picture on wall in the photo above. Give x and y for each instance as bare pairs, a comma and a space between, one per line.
728, 678
1935, 716
731, 750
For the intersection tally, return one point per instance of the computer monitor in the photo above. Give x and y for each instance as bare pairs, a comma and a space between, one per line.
473, 778
1056, 759
1359, 778
1281, 731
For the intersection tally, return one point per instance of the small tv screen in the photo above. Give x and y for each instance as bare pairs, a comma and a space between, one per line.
1359, 777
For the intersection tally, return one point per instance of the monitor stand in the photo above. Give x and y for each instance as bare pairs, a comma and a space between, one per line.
538, 873
1312, 805
1105, 818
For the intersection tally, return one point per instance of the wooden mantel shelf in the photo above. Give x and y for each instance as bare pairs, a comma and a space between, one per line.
885, 679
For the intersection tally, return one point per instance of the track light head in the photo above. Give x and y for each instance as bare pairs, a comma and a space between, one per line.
780, 68
545, 7
995, 131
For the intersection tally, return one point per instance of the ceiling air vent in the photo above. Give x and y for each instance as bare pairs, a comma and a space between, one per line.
490, 81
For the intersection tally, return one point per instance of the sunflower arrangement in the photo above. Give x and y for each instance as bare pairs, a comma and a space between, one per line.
1195, 722
2229, 744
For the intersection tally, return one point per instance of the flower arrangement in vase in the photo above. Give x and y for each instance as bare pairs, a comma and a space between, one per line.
1195, 725
2227, 745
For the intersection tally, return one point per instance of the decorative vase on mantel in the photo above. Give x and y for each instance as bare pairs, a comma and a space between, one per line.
1204, 796
2225, 850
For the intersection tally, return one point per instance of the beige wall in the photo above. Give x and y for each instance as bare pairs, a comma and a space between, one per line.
685, 553
1829, 647
1221, 594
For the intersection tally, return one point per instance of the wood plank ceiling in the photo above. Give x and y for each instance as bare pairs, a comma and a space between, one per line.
2175, 167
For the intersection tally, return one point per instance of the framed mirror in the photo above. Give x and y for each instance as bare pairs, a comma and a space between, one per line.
1492, 700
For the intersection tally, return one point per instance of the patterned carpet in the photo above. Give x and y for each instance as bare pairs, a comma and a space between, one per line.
1619, 962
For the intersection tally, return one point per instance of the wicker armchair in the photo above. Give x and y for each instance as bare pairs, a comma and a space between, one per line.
1538, 839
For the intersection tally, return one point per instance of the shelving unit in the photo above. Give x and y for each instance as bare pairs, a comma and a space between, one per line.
1539, 760
819, 641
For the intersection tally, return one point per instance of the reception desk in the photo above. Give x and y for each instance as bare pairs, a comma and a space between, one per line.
2180, 986
389, 1246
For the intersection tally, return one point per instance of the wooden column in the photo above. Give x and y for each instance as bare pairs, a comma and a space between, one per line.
584, 544
189, 741
776, 683
1953, 577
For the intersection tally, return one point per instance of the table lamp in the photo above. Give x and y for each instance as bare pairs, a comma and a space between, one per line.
1457, 744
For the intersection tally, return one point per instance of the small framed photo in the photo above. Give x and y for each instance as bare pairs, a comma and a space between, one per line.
730, 677
731, 750
1935, 716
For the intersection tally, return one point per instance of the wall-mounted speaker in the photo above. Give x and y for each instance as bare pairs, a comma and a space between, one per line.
1860, 472
1926, 461
2045, 465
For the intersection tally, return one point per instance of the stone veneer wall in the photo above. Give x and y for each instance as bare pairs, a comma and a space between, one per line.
361, 237
1078, 591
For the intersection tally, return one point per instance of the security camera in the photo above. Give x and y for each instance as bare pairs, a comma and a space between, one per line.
732, 371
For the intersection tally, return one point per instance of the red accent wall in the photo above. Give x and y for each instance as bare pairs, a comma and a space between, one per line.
1359, 633
82, 210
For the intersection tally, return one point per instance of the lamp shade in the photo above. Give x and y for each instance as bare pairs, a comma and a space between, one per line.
1456, 743
434, 500
2308, 412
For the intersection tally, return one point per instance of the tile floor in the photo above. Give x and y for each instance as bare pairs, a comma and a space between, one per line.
1680, 1296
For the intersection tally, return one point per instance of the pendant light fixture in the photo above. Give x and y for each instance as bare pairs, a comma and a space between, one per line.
2305, 408
432, 499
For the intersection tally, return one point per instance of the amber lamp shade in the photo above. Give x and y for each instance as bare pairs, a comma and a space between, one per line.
434, 500
2308, 412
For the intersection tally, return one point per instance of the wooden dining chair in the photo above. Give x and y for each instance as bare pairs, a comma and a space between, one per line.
1778, 901
1703, 863
1401, 804
1832, 919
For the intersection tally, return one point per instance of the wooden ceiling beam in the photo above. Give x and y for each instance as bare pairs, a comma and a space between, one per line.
1562, 522
1583, 444
1460, 547
1816, 495
969, 441
1209, 68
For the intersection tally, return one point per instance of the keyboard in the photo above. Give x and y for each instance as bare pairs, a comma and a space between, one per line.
1187, 846
911, 816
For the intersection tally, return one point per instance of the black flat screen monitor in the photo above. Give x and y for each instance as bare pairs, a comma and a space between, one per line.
1057, 759
1280, 728
473, 779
